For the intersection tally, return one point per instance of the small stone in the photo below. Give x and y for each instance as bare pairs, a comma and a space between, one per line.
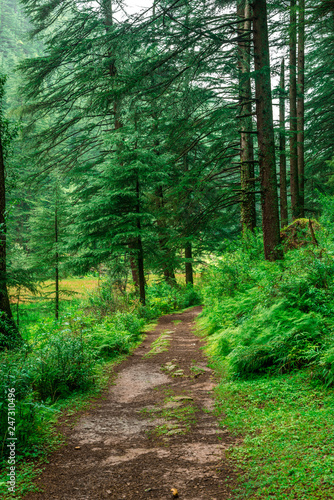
183, 398
170, 368
173, 432
169, 425
172, 404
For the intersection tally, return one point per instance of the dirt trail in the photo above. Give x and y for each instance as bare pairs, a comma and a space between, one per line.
153, 431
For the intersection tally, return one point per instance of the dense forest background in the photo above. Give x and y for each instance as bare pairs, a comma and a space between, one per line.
131, 141
132, 138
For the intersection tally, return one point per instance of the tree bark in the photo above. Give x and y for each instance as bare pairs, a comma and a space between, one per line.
140, 255
301, 106
56, 262
8, 328
248, 213
266, 139
189, 266
133, 265
167, 268
282, 151
294, 181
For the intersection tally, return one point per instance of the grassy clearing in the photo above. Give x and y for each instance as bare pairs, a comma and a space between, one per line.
287, 427
77, 287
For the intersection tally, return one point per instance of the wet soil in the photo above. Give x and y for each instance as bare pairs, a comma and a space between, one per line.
153, 431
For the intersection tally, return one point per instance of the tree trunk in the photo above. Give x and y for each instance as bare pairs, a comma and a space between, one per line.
141, 274
294, 182
266, 139
56, 263
248, 214
140, 257
282, 150
189, 266
7, 326
300, 106
133, 265
167, 268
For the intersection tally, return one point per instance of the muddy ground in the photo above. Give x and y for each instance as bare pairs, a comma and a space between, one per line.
153, 431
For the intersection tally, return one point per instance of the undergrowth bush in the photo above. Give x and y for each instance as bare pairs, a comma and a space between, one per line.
115, 334
61, 367
271, 316
163, 298
31, 415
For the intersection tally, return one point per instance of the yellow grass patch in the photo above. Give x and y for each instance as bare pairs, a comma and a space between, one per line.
80, 286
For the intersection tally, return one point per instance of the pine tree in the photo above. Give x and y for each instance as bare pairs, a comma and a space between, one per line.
301, 106
9, 334
48, 222
294, 179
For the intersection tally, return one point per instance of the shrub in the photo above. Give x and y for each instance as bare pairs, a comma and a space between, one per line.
163, 298
128, 322
62, 366
106, 299
30, 415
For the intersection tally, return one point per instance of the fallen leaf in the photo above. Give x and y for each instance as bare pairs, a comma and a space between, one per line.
175, 492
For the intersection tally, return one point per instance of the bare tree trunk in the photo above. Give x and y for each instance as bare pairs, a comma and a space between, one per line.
294, 182
167, 268
282, 150
140, 257
300, 106
248, 214
266, 139
133, 265
7, 326
189, 267
57, 262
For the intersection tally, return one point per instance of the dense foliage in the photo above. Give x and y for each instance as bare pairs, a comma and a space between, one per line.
273, 317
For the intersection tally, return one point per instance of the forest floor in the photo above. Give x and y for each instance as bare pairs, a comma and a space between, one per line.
153, 430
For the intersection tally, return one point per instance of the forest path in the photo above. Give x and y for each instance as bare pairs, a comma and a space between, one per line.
153, 430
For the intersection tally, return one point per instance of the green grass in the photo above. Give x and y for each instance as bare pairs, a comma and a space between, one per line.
160, 345
178, 412
287, 427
